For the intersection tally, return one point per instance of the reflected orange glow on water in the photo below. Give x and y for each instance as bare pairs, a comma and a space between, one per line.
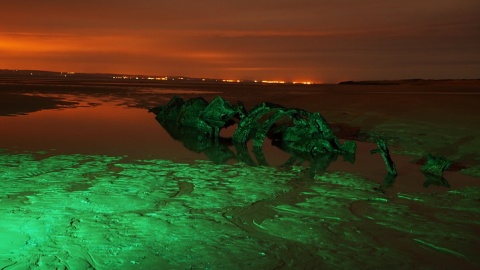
105, 129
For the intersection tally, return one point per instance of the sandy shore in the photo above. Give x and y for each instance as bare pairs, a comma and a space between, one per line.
96, 211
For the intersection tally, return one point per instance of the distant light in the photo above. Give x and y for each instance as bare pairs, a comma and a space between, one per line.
273, 81
302, 82
230, 80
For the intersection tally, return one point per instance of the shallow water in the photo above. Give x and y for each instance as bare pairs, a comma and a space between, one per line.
98, 183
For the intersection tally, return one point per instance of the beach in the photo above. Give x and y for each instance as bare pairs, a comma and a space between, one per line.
92, 181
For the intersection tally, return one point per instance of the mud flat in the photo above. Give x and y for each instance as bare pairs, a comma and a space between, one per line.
91, 181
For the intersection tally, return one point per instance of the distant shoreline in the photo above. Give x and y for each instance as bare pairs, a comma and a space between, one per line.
43, 74
411, 82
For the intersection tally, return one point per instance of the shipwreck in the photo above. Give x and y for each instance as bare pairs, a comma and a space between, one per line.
305, 135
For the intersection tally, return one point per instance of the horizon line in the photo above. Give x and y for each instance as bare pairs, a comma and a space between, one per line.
225, 80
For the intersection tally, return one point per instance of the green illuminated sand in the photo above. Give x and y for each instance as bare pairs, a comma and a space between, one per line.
100, 212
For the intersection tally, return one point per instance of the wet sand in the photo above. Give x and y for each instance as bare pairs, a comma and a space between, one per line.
87, 205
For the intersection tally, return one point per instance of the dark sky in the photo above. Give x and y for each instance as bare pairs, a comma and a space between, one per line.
315, 40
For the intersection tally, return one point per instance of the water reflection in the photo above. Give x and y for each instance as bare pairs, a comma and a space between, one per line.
220, 151
91, 126
217, 151
224, 150
101, 125
435, 180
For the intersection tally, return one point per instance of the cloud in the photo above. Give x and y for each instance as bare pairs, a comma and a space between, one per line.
243, 38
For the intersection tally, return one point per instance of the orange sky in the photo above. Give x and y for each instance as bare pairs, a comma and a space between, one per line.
316, 40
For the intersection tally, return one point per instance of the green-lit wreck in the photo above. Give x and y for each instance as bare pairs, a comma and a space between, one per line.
197, 123
305, 135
